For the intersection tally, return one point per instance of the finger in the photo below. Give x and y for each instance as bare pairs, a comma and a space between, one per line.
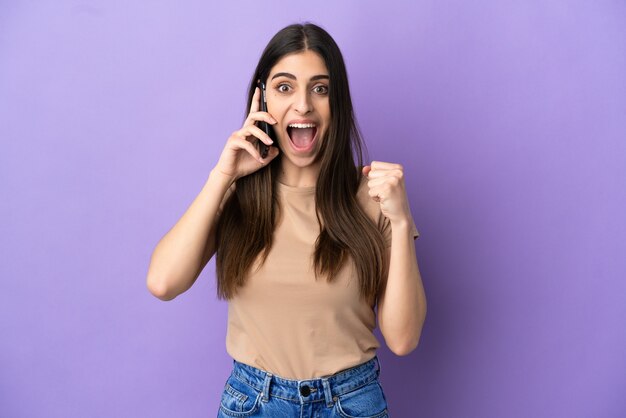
255, 104
366, 169
255, 131
249, 148
374, 182
381, 165
386, 173
386, 185
379, 193
374, 195
259, 116
378, 173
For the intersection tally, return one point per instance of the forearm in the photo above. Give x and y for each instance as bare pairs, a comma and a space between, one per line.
403, 312
180, 255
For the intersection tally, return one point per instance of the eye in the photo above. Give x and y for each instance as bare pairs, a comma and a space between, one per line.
283, 88
320, 89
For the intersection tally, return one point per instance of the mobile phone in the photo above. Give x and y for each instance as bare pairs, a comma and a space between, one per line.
263, 148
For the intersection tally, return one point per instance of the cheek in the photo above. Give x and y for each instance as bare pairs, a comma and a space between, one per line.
274, 105
326, 113
327, 121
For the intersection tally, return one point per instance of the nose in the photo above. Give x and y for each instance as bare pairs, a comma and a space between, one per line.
303, 103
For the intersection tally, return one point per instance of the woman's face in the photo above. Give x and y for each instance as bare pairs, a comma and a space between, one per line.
297, 97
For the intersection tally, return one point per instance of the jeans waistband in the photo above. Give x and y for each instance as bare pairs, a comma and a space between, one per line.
309, 390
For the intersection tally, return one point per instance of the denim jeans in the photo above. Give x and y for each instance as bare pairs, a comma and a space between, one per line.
352, 393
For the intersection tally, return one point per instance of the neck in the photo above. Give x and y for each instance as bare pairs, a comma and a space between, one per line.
295, 176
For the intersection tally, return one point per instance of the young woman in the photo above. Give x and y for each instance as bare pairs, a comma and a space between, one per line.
308, 245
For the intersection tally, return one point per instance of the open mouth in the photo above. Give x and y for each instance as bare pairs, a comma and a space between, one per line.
302, 135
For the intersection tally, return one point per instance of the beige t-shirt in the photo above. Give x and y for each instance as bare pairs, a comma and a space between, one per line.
287, 323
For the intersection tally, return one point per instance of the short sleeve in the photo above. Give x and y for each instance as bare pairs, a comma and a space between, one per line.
416, 233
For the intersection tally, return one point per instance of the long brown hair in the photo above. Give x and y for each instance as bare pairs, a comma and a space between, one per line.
248, 219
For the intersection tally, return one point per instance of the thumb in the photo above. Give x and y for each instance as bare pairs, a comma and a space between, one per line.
366, 170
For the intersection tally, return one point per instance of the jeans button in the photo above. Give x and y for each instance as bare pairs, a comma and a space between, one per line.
305, 390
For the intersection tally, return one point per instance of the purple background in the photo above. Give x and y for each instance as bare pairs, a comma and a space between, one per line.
510, 118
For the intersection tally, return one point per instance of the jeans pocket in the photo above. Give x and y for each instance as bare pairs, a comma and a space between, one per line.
365, 402
239, 399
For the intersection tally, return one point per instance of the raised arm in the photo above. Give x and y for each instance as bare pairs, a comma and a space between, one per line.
181, 255
402, 302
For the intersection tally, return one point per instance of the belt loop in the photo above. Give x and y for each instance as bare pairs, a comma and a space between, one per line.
266, 387
327, 393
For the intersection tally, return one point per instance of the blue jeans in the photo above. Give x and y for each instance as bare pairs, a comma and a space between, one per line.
352, 393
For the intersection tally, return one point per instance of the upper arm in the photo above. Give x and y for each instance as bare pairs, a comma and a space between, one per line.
211, 244
209, 249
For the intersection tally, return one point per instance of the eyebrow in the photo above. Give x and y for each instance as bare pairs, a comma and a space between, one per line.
293, 77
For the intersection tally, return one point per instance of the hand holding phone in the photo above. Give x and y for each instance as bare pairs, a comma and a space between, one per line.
241, 154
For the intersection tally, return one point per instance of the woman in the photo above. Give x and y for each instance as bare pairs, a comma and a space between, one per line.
307, 245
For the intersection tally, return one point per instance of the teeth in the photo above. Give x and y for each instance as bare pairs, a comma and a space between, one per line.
302, 125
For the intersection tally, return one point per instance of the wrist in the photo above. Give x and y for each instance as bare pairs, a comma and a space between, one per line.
401, 225
219, 177
219, 182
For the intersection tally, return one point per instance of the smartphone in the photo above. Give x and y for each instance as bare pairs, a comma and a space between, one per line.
266, 127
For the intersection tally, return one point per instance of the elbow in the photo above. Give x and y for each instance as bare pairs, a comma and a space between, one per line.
159, 289
408, 343
404, 349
